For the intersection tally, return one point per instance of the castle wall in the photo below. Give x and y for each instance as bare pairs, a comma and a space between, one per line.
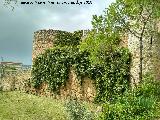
150, 54
43, 39
73, 88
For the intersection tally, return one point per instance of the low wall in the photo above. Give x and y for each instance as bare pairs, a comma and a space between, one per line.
73, 88
15, 81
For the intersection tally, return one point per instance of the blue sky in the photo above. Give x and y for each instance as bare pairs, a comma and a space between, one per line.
17, 27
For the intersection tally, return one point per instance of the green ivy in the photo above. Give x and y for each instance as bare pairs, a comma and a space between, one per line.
54, 65
111, 76
114, 80
63, 38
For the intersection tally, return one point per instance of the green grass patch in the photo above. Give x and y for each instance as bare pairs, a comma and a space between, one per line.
22, 106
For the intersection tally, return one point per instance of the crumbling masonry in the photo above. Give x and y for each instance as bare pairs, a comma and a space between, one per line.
44, 39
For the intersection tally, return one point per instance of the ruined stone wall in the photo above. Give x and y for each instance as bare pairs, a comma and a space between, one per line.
151, 57
88, 89
75, 89
15, 81
43, 39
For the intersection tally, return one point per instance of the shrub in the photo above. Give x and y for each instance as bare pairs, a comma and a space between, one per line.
148, 87
77, 111
130, 108
137, 104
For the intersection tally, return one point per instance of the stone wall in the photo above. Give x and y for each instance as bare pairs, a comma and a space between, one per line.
44, 39
15, 81
74, 88
150, 54
88, 89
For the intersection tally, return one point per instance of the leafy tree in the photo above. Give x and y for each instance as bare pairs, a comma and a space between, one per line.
136, 17
111, 59
9, 3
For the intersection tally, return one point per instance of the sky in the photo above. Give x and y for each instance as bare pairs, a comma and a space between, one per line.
17, 26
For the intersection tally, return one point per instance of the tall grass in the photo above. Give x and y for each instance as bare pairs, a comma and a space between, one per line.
21, 106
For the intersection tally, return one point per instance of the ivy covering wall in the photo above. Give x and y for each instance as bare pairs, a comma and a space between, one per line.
111, 77
67, 38
54, 65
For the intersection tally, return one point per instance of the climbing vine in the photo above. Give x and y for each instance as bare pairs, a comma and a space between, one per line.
67, 38
114, 80
54, 65
111, 76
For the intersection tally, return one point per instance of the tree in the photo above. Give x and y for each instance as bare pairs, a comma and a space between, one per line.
136, 17
9, 3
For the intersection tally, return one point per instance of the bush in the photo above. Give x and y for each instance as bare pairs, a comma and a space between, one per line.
148, 87
77, 111
130, 108
137, 104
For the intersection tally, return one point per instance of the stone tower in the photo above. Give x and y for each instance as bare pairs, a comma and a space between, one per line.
44, 39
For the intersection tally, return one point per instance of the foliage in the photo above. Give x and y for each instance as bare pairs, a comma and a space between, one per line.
109, 60
111, 77
67, 39
130, 108
136, 17
54, 66
97, 44
78, 111
129, 16
137, 104
148, 87
115, 78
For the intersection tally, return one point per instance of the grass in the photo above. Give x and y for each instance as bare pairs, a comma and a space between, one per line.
21, 106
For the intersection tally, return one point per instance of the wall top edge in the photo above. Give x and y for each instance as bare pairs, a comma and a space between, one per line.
54, 30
